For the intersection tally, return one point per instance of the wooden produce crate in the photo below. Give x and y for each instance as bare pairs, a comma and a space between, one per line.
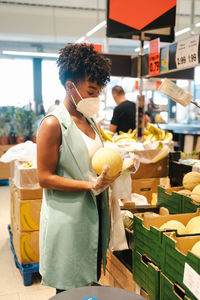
117, 274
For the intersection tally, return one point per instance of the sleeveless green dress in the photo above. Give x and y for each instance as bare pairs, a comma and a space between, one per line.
69, 221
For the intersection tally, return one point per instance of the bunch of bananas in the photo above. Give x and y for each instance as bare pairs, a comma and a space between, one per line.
106, 135
152, 133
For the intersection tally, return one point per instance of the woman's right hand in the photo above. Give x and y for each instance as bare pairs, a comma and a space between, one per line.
103, 181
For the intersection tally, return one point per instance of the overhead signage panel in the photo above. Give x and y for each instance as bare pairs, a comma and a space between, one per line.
128, 18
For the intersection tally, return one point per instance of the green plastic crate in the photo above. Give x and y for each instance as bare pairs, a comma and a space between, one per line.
171, 291
146, 275
175, 257
147, 241
170, 199
148, 238
188, 206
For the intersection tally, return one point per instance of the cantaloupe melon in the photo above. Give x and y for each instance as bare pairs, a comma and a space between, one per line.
196, 249
110, 157
174, 225
195, 195
193, 226
190, 180
184, 192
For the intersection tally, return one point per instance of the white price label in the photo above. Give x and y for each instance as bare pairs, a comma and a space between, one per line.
192, 280
187, 52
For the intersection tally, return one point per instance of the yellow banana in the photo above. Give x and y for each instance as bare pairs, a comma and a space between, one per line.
168, 136
27, 252
160, 155
105, 137
26, 218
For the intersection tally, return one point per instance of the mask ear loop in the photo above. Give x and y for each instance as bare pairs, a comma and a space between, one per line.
77, 91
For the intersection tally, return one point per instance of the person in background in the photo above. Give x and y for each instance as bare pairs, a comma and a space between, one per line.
54, 106
124, 114
74, 220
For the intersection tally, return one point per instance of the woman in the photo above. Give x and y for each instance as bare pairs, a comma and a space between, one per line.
74, 226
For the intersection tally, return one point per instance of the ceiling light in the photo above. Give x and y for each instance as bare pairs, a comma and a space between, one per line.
81, 40
182, 31
197, 24
96, 28
32, 54
91, 32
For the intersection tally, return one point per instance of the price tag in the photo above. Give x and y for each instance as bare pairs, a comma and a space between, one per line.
154, 57
187, 52
192, 280
164, 59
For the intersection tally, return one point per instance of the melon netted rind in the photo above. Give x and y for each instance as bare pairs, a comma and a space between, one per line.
190, 180
195, 195
193, 226
110, 157
174, 225
196, 249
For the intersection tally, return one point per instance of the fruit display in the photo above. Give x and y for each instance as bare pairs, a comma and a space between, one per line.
190, 180
110, 157
193, 226
173, 224
151, 134
196, 249
195, 195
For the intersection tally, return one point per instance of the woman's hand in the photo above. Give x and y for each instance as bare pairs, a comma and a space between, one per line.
103, 181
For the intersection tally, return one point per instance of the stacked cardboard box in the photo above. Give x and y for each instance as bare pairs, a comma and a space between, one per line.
149, 175
4, 167
25, 205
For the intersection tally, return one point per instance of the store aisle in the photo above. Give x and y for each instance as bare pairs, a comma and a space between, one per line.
11, 281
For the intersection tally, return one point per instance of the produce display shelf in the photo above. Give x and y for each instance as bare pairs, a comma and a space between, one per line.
27, 270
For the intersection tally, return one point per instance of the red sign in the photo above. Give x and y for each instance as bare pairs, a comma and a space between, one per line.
138, 13
154, 57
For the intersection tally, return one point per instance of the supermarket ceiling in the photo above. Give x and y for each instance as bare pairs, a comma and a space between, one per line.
49, 24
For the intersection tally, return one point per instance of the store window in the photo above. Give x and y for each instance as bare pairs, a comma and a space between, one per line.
51, 86
16, 82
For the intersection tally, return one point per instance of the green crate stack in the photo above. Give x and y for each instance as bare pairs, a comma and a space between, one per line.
147, 241
174, 261
168, 290
173, 202
146, 275
188, 206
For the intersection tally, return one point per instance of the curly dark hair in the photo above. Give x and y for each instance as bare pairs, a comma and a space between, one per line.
78, 62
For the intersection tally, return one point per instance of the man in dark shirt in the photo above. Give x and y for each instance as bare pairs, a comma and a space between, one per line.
124, 114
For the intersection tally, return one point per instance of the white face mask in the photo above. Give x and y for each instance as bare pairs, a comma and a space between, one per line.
87, 106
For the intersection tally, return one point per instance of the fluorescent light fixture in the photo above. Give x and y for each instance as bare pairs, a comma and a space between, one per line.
32, 54
81, 40
91, 32
138, 49
96, 28
182, 31
197, 24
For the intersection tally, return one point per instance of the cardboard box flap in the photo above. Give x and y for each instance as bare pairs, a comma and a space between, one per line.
183, 244
146, 156
158, 221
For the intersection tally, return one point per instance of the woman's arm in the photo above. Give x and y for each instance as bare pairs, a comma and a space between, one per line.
48, 144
